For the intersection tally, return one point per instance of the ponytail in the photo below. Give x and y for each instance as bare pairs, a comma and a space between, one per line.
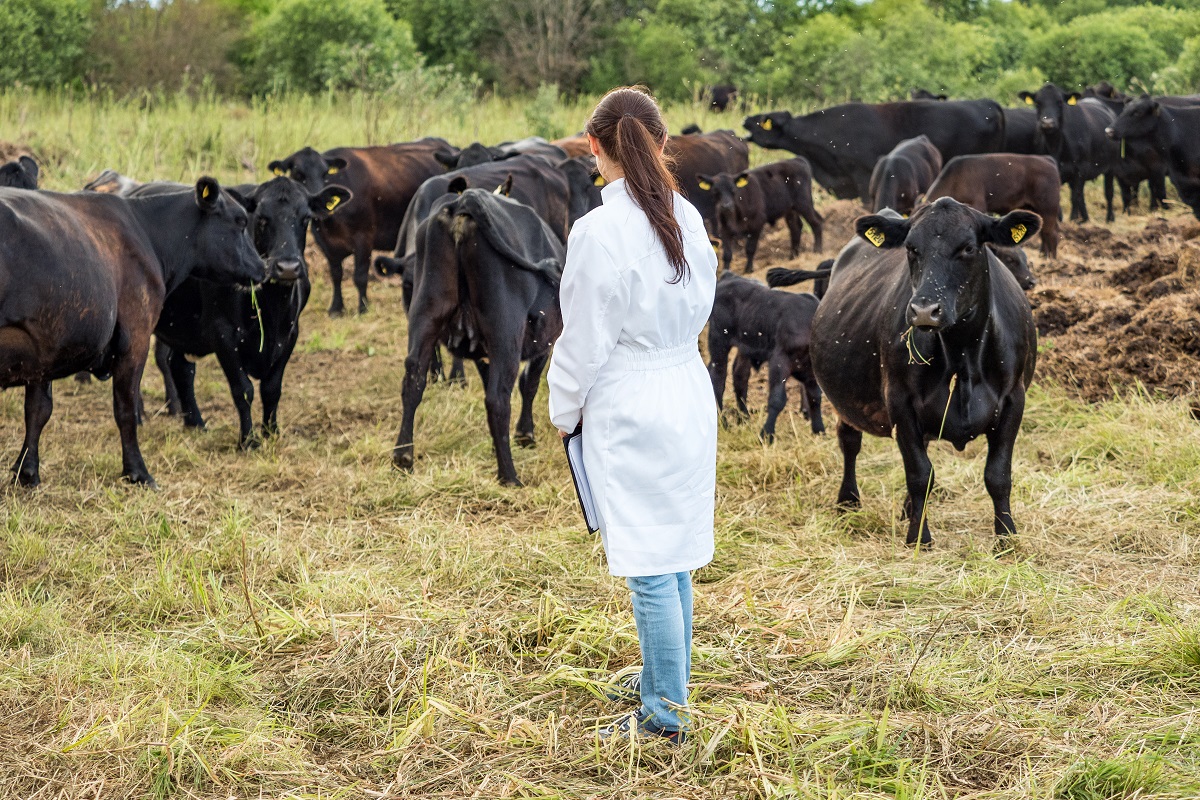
630, 128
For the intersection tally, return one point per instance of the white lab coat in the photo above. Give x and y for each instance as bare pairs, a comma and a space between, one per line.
627, 362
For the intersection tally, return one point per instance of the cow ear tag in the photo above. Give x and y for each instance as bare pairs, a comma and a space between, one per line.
1018, 233
741, 182
333, 203
1028, 101
331, 171
874, 236
1071, 101
705, 185
767, 124
204, 194
598, 180
278, 171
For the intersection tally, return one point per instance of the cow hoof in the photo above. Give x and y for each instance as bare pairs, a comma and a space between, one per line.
513, 482
849, 502
403, 461
362, 309
926, 544
524, 440
27, 480
250, 443
819, 431
140, 479
336, 311
766, 438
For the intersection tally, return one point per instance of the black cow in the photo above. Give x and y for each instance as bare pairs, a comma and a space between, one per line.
383, 180
85, 276
1020, 131
694, 154
779, 276
1136, 161
721, 96
486, 279
902, 176
925, 94
20, 174
252, 333
477, 153
746, 202
767, 326
924, 335
843, 142
1072, 131
1170, 132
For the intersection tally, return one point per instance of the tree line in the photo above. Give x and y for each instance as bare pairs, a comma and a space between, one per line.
803, 51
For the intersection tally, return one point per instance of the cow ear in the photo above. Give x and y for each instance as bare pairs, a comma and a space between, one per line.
741, 181
705, 182
881, 231
1012, 229
334, 165
458, 185
246, 201
208, 193
30, 166
328, 200
943, 97
506, 187
447, 158
279, 167
1027, 97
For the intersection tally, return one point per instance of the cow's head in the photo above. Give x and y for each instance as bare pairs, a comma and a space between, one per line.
280, 211
1015, 260
948, 258
583, 185
766, 130
724, 190
1138, 119
1050, 102
20, 174
219, 247
308, 167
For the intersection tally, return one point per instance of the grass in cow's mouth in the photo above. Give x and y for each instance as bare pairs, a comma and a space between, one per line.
304, 621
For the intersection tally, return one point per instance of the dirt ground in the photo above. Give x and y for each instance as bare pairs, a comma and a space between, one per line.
1118, 310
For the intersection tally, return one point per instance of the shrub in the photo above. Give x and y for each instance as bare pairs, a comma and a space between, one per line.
1092, 49
41, 41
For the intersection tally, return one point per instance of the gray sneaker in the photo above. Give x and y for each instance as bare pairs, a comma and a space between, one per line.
626, 688
630, 726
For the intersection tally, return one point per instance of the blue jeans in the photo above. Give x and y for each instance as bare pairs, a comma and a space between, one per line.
662, 609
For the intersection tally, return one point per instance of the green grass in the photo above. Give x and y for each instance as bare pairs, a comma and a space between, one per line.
303, 621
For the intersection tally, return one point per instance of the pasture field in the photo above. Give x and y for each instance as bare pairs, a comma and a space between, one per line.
304, 621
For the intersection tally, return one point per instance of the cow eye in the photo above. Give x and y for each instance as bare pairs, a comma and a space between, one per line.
969, 250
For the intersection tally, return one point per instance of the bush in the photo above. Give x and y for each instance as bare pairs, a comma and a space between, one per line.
314, 45
1092, 49
42, 41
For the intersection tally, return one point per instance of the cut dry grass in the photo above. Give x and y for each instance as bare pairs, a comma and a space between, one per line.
304, 621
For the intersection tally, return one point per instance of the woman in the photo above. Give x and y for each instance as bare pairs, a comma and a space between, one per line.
636, 291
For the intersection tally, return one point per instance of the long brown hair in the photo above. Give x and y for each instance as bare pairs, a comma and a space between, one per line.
631, 131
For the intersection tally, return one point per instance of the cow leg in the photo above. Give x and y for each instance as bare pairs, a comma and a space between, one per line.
795, 231
812, 399
484, 370
162, 360
718, 364
850, 442
1129, 195
817, 223
1158, 190
777, 374
39, 403
337, 306
127, 377
362, 273
421, 344
918, 478
997, 473
502, 374
1109, 216
458, 375
184, 374
83, 377
531, 377
271, 389
742, 367
751, 249
1078, 203
242, 391
727, 244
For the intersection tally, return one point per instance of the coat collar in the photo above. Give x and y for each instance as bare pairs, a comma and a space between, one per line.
611, 191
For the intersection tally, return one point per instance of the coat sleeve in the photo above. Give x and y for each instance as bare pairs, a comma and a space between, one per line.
594, 296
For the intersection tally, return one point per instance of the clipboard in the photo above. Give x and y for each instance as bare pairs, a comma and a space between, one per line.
573, 443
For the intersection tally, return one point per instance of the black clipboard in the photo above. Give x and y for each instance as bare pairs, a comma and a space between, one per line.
573, 444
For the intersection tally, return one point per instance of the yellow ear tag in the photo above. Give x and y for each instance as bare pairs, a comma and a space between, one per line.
874, 236
204, 194
278, 171
705, 185
1028, 101
741, 182
499, 189
333, 203
1018, 233
767, 124
1071, 101
331, 171
599, 181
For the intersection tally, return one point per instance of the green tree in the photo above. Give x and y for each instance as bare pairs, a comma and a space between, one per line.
42, 41
460, 33
313, 45
1094, 48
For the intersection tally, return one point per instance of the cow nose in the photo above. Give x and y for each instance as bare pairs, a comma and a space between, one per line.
925, 316
1110, 133
1029, 284
1048, 125
287, 270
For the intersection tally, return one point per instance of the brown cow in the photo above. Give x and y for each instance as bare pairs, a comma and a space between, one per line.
697, 154
574, 146
383, 181
903, 175
997, 183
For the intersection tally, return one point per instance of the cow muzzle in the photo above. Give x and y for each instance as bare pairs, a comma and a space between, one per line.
926, 316
286, 271
1048, 125
1110, 132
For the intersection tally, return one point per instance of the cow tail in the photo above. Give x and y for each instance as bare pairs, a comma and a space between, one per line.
778, 276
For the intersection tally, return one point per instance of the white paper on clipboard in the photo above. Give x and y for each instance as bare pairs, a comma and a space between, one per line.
583, 489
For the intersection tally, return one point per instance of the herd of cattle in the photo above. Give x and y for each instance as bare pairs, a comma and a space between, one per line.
919, 328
